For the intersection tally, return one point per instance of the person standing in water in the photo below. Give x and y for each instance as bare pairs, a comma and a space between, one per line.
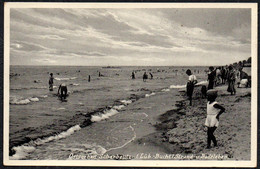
88, 78
62, 91
133, 75
145, 76
51, 82
214, 110
151, 75
190, 84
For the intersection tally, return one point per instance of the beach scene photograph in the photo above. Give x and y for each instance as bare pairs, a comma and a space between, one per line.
130, 84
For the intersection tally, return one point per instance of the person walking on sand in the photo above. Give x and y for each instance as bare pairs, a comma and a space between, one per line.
51, 82
214, 110
231, 78
211, 77
62, 91
145, 76
190, 85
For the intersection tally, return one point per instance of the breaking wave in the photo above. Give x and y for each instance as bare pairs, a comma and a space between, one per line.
148, 95
126, 102
65, 78
21, 101
177, 86
165, 90
23, 151
28, 88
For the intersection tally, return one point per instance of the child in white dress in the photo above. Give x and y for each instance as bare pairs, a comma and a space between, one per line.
214, 110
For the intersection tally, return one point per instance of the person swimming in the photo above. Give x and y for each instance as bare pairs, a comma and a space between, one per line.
62, 91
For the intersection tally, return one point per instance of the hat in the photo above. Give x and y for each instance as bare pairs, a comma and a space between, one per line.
212, 92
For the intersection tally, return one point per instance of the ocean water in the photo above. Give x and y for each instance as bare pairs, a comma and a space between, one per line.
38, 118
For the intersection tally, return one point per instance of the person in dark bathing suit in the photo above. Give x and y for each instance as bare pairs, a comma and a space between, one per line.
145, 76
190, 84
211, 77
51, 82
62, 91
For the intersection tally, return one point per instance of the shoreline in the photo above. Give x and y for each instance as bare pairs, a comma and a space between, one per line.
82, 119
33, 136
180, 131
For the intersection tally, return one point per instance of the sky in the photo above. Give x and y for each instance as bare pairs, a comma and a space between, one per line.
129, 37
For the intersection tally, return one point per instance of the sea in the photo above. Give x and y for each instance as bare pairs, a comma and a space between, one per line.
39, 120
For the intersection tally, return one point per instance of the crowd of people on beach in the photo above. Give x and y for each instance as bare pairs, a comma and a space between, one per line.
217, 76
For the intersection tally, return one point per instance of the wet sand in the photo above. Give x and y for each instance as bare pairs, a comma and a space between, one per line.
178, 129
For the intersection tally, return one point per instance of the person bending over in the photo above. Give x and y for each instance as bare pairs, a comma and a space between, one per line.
62, 91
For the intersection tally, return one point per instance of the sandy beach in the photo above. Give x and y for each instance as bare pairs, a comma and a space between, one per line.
177, 129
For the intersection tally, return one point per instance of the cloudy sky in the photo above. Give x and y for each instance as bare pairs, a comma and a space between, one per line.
129, 36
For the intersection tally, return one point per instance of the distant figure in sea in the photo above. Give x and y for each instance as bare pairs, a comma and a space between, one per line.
62, 91
190, 84
151, 75
231, 78
88, 78
145, 77
214, 110
211, 77
99, 74
51, 82
133, 75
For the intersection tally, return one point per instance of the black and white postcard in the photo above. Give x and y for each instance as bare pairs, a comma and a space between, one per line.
130, 84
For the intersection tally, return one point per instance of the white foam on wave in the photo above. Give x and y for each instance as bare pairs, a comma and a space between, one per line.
118, 107
65, 78
28, 88
15, 100
177, 86
126, 102
44, 96
24, 150
105, 115
74, 84
183, 86
201, 83
165, 90
21, 152
148, 95
18, 101
34, 99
